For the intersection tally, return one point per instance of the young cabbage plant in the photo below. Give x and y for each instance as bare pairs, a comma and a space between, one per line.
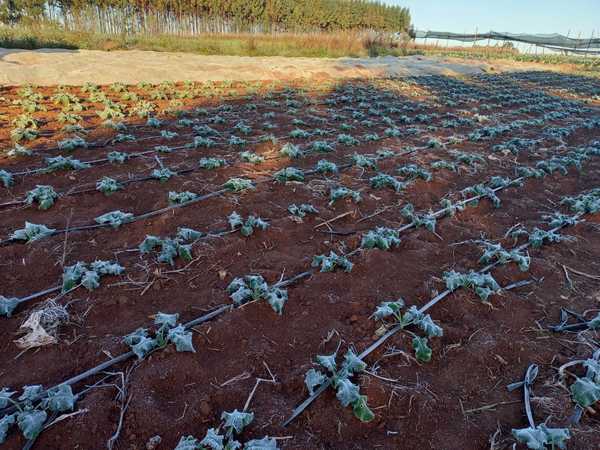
326, 167
89, 276
7, 178
347, 392
342, 192
364, 162
483, 285
233, 423
291, 151
288, 174
62, 163
588, 203
302, 210
331, 262
32, 410
72, 143
108, 186
442, 164
114, 218
346, 139
382, 180
247, 226
322, 147
393, 310
419, 220
211, 163
43, 195
483, 191
251, 157
32, 232
238, 184
168, 330
179, 198
381, 238
253, 288
163, 174
171, 248
495, 252
413, 171
117, 157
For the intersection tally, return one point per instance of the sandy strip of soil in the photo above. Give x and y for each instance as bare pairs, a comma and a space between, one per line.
73, 67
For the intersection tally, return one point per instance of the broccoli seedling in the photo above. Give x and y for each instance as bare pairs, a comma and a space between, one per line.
381, 238
484, 285
43, 195
108, 186
247, 226
332, 262
383, 180
32, 232
254, 287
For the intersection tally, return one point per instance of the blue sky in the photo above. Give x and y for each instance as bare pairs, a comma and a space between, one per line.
513, 16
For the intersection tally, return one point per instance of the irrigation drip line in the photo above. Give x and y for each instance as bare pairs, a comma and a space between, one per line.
300, 408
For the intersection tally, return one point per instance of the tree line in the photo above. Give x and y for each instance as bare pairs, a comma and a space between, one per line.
200, 16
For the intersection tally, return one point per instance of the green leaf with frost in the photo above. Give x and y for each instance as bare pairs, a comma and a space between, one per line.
422, 350
387, 309
352, 363
324, 167
322, 147
327, 361
108, 185
288, 174
211, 163
251, 157
72, 143
343, 192
114, 218
238, 184
212, 440
361, 411
331, 262
313, 379
72, 275
149, 244
62, 163
188, 443
347, 392
32, 232
383, 180
166, 320
413, 171
31, 423
182, 339
107, 268
381, 238
302, 210
43, 195
265, 443
117, 157
140, 343
178, 198
188, 234
5, 423
60, 399
163, 175
7, 306
542, 437
585, 392
291, 151
90, 280
5, 395
236, 421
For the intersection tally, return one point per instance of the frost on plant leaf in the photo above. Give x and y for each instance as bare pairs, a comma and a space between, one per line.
422, 350
238, 184
32, 232
381, 238
542, 437
314, 379
343, 192
383, 180
484, 285
585, 392
178, 198
418, 220
236, 420
288, 174
60, 399
114, 218
302, 210
247, 226
108, 186
31, 423
254, 287
331, 262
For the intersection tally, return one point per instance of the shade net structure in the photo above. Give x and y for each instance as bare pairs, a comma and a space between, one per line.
556, 42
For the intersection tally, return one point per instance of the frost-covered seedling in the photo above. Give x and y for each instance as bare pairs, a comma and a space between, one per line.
347, 392
364, 162
324, 167
254, 287
346, 139
483, 285
530, 172
481, 190
299, 134
288, 174
291, 151
32, 408
331, 262
6, 178
470, 159
72, 143
503, 182
23, 134
238, 184
247, 226
117, 157
43, 195
178, 198
495, 252
383, 153
32, 232
211, 163
62, 163
108, 186
342, 192
166, 134
168, 331
163, 174
302, 210
114, 218
153, 122
322, 147
251, 157
381, 238
392, 132
88, 276
171, 248
7, 306
413, 171
234, 422
202, 142
538, 237
393, 310
588, 203
439, 165
560, 220
419, 220
542, 437
434, 143
383, 180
